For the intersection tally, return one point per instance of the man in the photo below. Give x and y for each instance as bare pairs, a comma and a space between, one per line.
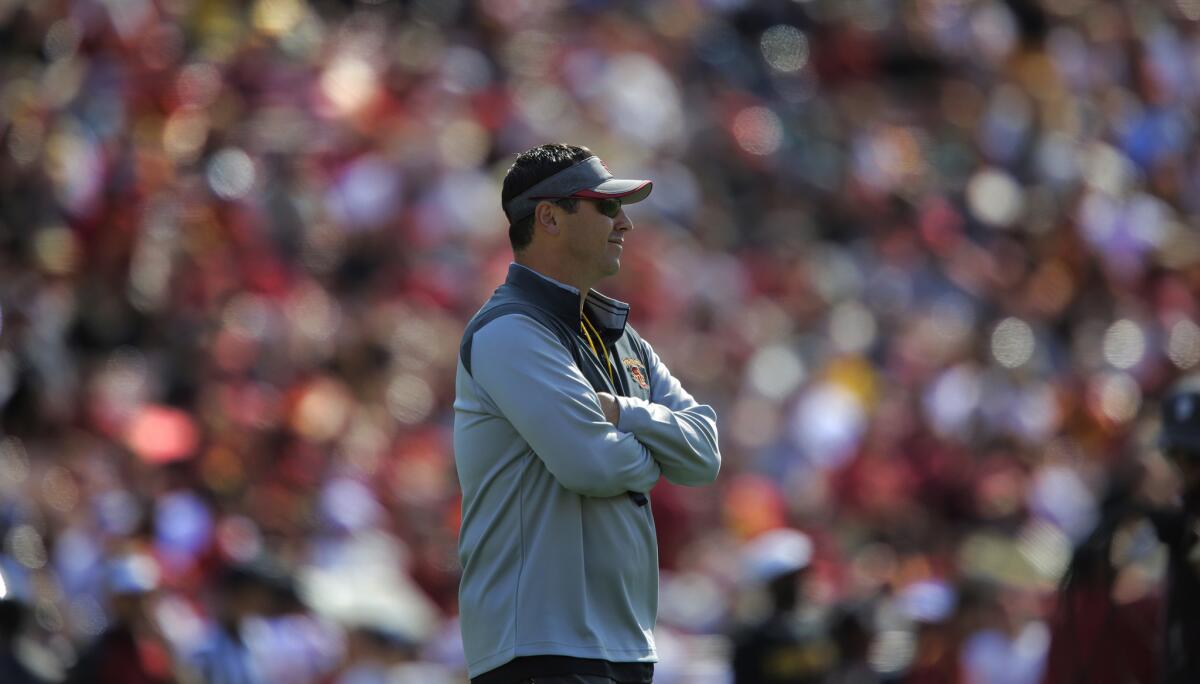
1179, 530
1093, 637
1097, 639
131, 649
790, 643
242, 592
564, 420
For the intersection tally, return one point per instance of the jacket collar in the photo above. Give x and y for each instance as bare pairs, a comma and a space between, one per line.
607, 314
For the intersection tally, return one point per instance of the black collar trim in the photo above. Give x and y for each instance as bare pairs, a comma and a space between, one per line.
607, 314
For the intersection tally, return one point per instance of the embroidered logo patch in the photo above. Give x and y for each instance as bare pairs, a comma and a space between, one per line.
638, 371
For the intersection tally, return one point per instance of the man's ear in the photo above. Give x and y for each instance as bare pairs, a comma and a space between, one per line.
544, 217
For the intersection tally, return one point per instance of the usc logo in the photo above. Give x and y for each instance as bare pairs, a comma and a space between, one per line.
637, 371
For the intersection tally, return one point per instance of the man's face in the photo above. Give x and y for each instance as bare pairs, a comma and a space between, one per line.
592, 240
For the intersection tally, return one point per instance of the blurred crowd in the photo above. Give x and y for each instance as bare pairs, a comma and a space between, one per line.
932, 261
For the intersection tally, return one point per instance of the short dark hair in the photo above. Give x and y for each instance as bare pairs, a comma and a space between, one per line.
530, 168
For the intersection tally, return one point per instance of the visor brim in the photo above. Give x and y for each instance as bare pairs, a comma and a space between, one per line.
628, 191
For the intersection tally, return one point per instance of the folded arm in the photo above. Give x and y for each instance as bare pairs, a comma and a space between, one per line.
535, 384
680, 433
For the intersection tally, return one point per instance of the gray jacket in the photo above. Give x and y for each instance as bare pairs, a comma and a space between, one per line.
557, 542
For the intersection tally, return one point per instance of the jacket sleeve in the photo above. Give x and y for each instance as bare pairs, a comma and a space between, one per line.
680, 433
535, 384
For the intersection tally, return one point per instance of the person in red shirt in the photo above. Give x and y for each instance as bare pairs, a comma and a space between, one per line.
1096, 638
130, 650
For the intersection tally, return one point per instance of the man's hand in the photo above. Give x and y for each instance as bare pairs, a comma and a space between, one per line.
608, 403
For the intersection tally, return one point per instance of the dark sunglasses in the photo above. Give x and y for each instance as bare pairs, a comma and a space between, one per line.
608, 207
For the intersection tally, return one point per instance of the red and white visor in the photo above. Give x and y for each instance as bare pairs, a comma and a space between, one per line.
588, 178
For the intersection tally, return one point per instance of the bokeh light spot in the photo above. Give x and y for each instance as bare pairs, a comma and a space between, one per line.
1124, 344
1117, 396
775, 371
464, 144
276, 17
1190, 9
59, 489
852, 327
952, 399
758, 131
1012, 343
349, 83
1183, 344
14, 463
1106, 169
465, 69
62, 38
160, 434
323, 410
1047, 549
892, 650
827, 424
57, 249
231, 173
314, 314
785, 48
87, 615
755, 422
642, 99
47, 616
25, 137
25, 544
995, 29
184, 134
995, 198
409, 398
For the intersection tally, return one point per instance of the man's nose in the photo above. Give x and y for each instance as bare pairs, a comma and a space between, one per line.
622, 222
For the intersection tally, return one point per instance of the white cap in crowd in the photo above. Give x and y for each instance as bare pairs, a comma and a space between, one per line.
776, 553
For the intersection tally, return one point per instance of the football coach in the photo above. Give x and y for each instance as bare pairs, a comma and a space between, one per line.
564, 419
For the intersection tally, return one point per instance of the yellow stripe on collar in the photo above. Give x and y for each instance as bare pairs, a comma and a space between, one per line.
583, 325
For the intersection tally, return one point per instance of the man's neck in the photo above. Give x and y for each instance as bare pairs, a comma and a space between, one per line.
558, 274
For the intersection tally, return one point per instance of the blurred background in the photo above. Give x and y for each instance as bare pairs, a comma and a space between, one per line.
933, 262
